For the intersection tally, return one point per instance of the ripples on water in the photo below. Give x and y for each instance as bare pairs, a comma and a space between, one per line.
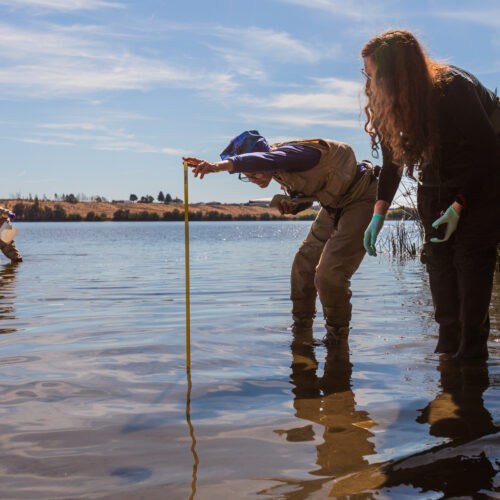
93, 382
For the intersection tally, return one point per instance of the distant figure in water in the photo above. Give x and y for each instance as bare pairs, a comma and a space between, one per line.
312, 169
441, 120
9, 249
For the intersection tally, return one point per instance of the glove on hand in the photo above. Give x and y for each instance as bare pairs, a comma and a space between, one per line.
12, 215
450, 218
371, 234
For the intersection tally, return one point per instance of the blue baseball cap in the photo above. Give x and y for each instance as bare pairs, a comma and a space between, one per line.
249, 141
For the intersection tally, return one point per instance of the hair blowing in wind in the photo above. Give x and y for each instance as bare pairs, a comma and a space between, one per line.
401, 97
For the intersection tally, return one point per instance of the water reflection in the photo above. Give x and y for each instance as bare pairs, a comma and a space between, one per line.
7, 295
196, 460
94, 399
458, 411
465, 465
327, 401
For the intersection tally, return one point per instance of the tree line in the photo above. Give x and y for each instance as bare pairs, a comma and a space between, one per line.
161, 198
35, 212
79, 197
212, 215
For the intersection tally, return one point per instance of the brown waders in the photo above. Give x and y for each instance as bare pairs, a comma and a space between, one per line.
10, 251
329, 256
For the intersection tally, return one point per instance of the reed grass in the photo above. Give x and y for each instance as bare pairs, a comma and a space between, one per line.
404, 240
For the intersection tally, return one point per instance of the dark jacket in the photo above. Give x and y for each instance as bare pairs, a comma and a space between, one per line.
467, 163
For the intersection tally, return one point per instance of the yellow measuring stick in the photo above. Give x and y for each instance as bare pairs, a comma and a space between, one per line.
188, 339
186, 245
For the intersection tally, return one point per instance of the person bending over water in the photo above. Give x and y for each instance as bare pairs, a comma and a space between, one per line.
9, 249
327, 171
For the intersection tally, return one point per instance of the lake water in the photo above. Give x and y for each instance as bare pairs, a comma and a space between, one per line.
96, 402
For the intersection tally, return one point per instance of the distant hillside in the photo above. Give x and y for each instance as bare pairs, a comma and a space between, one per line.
107, 210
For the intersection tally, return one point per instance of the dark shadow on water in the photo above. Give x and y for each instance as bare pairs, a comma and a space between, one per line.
458, 411
466, 465
459, 468
7, 296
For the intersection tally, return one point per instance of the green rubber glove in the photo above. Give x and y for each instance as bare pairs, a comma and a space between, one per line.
371, 234
450, 217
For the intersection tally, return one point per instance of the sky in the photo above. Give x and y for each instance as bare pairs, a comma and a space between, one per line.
104, 97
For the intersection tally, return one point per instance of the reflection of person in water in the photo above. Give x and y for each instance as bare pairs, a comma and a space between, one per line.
328, 401
458, 411
7, 277
459, 467
463, 466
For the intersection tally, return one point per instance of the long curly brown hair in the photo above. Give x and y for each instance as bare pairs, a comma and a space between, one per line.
400, 113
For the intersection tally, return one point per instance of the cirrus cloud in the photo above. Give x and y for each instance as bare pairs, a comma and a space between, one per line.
63, 5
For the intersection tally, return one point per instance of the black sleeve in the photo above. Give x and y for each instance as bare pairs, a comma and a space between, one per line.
464, 106
389, 177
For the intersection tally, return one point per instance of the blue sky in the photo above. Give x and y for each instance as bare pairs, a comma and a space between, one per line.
103, 97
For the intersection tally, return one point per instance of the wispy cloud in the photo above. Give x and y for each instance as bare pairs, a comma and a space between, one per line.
331, 102
75, 136
243, 65
96, 136
46, 142
55, 60
252, 52
63, 5
316, 101
48, 63
485, 16
137, 147
18, 43
333, 94
358, 10
270, 45
301, 119
72, 126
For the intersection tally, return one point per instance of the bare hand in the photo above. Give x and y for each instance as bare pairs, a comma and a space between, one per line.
201, 167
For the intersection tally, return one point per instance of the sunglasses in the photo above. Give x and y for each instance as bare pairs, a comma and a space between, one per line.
365, 74
245, 178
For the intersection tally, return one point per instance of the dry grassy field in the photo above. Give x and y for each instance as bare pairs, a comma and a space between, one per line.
107, 208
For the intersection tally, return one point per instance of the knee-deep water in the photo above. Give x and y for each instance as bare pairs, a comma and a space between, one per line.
96, 402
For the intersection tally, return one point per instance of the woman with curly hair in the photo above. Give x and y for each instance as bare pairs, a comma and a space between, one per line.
440, 122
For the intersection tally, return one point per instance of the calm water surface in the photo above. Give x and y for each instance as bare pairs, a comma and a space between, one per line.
96, 401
